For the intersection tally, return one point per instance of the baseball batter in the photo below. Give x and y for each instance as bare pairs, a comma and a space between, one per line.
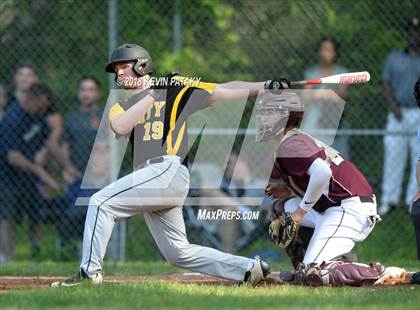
322, 190
154, 119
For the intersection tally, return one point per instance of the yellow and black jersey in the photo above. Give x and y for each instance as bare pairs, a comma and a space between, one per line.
164, 130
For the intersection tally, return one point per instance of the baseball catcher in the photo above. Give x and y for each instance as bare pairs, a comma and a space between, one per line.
322, 204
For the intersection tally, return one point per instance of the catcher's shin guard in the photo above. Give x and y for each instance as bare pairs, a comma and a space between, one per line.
296, 252
337, 273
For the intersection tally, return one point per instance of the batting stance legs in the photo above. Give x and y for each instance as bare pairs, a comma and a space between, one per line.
337, 229
157, 191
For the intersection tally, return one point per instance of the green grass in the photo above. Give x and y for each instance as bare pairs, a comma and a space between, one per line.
391, 242
49, 268
158, 294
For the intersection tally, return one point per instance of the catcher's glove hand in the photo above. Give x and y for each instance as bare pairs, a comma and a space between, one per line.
283, 231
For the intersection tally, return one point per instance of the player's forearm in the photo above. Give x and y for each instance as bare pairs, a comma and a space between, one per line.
250, 86
236, 90
124, 123
319, 178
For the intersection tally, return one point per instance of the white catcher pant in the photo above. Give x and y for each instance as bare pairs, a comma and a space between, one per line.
396, 150
337, 229
158, 191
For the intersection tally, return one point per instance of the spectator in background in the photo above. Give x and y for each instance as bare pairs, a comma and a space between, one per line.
239, 183
81, 126
401, 70
24, 132
71, 215
24, 77
320, 114
80, 129
3, 101
415, 208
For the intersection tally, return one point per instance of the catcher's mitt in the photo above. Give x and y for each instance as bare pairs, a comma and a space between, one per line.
283, 231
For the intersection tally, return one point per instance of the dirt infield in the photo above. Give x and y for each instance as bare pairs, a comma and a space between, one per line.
17, 282
14, 282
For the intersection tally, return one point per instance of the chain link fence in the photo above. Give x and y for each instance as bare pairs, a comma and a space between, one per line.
66, 44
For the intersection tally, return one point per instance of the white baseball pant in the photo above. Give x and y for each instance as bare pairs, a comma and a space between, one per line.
337, 229
158, 191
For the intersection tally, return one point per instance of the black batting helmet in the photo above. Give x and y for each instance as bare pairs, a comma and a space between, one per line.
127, 52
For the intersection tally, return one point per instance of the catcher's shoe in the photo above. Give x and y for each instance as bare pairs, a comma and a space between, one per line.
79, 278
393, 276
257, 273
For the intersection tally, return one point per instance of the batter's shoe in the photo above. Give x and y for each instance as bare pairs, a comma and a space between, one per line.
393, 276
257, 273
79, 278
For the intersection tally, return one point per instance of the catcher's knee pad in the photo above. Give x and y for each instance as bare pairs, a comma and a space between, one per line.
337, 273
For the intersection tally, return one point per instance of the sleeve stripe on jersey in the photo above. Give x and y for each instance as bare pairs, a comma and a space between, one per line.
116, 109
172, 150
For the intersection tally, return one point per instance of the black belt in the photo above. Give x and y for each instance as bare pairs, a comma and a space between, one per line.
366, 199
154, 160
362, 199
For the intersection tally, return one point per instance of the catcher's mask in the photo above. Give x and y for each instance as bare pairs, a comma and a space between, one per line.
128, 52
417, 92
274, 112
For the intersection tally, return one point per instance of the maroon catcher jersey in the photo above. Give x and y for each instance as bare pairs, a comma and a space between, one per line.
295, 155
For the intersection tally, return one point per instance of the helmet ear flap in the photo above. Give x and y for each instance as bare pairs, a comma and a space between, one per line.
140, 68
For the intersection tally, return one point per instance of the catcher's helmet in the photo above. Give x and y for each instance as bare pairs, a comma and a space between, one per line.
276, 111
417, 92
127, 52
